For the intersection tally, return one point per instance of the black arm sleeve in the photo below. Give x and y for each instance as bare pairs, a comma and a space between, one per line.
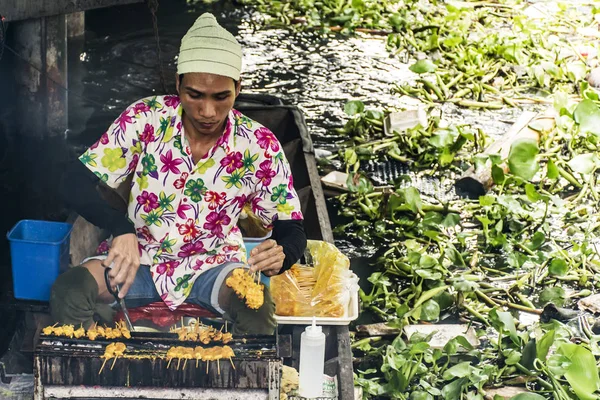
78, 187
290, 235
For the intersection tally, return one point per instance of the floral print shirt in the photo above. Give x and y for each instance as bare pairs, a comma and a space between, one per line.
185, 214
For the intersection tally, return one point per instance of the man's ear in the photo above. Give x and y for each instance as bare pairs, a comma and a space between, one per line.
238, 87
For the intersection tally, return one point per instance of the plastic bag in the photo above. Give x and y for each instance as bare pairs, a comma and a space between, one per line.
321, 290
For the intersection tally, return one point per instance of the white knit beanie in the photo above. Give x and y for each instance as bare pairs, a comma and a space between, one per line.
208, 47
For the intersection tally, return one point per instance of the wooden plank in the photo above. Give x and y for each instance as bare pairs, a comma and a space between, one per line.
15, 10
345, 371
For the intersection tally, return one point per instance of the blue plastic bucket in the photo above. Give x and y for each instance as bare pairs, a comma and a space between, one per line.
39, 252
252, 242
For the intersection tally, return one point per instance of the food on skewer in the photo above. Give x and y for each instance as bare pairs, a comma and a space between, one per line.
79, 333
245, 287
124, 331
92, 333
227, 337
202, 333
199, 353
255, 297
113, 350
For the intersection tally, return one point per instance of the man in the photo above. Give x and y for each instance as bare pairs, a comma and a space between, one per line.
195, 163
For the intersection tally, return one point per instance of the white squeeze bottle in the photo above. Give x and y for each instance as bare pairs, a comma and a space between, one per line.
312, 361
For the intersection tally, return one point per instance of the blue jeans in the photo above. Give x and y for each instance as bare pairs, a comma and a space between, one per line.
205, 291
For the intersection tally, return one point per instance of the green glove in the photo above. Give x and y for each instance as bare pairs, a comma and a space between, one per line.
73, 299
249, 321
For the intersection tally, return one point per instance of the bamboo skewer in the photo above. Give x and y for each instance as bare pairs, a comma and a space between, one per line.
113, 364
103, 364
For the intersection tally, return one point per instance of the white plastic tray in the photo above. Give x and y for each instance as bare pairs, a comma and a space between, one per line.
350, 315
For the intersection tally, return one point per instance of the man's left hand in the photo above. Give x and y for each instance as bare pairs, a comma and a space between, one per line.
267, 258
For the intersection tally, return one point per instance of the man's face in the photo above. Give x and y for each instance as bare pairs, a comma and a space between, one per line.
207, 100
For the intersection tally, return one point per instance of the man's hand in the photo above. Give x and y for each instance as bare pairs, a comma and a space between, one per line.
125, 255
267, 257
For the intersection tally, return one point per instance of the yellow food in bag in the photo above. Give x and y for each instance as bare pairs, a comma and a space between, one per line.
322, 290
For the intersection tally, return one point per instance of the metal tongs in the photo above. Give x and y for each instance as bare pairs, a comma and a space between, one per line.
115, 293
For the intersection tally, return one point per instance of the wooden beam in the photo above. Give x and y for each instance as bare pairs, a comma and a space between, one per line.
15, 10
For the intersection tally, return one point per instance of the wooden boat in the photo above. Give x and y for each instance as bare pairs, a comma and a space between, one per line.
289, 126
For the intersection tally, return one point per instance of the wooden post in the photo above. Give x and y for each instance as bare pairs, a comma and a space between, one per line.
41, 75
75, 24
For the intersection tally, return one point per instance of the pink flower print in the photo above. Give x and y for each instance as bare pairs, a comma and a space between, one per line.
216, 259
148, 200
103, 140
188, 230
103, 248
198, 265
181, 210
291, 183
214, 199
180, 182
133, 162
297, 215
241, 200
232, 161
140, 108
148, 135
144, 233
230, 248
266, 139
123, 120
265, 174
170, 164
172, 101
225, 136
190, 249
215, 221
167, 268
255, 205
169, 303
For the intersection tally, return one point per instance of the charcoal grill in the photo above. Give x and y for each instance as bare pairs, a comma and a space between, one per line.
69, 368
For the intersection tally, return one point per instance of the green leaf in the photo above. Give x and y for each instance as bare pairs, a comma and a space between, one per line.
537, 240
576, 70
554, 294
427, 261
512, 356
504, 322
428, 274
420, 395
528, 396
529, 355
486, 200
430, 311
460, 370
423, 66
453, 390
522, 158
582, 374
587, 115
558, 267
552, 170
413, 199
583, 163
498, 175
354, 107
452, 219
531, 193
543, 346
